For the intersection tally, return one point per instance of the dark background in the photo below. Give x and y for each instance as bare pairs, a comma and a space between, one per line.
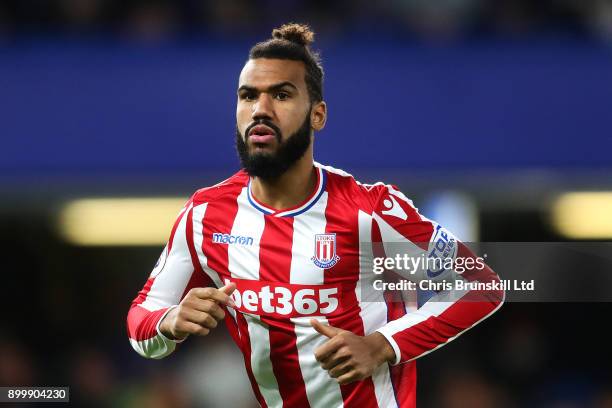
497, 107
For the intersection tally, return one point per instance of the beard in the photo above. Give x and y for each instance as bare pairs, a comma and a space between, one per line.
270, 166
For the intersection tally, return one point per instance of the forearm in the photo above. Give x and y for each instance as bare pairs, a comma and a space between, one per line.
444, 317
175, 273
144, 334
417, 334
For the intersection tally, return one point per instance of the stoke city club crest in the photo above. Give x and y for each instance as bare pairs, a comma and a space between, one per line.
325, 251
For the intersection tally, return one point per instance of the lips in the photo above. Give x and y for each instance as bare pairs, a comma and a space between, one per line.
262, 134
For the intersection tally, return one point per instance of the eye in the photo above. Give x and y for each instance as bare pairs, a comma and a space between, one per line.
281, 95
247, 96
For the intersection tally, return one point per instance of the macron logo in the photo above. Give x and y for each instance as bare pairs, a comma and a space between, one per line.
393, 208
229, 239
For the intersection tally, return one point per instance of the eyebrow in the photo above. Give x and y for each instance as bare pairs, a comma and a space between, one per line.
273, 87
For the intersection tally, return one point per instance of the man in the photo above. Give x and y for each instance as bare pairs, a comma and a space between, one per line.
284, 250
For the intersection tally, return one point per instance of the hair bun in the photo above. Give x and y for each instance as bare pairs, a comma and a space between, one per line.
296, 33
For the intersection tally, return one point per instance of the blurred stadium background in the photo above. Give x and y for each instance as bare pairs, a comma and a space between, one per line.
494, 117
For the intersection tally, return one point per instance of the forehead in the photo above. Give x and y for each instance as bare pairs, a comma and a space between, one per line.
262, 72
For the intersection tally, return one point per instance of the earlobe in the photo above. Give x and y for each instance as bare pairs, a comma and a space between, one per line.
318, 116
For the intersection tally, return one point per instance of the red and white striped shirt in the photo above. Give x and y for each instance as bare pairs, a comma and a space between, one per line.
314, 260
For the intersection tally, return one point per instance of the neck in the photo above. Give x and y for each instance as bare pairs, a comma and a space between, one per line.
290, 189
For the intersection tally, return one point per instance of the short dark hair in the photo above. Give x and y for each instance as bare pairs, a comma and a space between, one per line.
292, 41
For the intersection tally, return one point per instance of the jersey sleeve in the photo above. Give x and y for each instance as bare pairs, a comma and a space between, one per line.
174, 274
401, 230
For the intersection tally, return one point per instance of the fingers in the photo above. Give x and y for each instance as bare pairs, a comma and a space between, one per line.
208, 306
218, 295
349, 377
192, 328
199, 312
323, 352
334, 359
338, 338
198, 317
342, 355
341, 369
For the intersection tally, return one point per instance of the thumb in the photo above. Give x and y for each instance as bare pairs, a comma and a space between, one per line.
324, 329
228, 289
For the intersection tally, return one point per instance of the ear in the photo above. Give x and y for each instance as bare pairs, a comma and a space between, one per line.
318, 115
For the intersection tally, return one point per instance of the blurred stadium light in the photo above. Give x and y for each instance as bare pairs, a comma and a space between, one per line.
583, 215
456, 211
119, 221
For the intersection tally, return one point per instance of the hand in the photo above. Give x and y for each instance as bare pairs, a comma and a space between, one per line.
198, 313
349, 357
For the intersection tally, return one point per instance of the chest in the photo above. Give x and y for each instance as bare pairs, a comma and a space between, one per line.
315, 247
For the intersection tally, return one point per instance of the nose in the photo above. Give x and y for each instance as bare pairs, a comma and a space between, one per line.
262, 108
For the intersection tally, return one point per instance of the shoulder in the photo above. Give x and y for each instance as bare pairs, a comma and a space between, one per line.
343, 185
230, 187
